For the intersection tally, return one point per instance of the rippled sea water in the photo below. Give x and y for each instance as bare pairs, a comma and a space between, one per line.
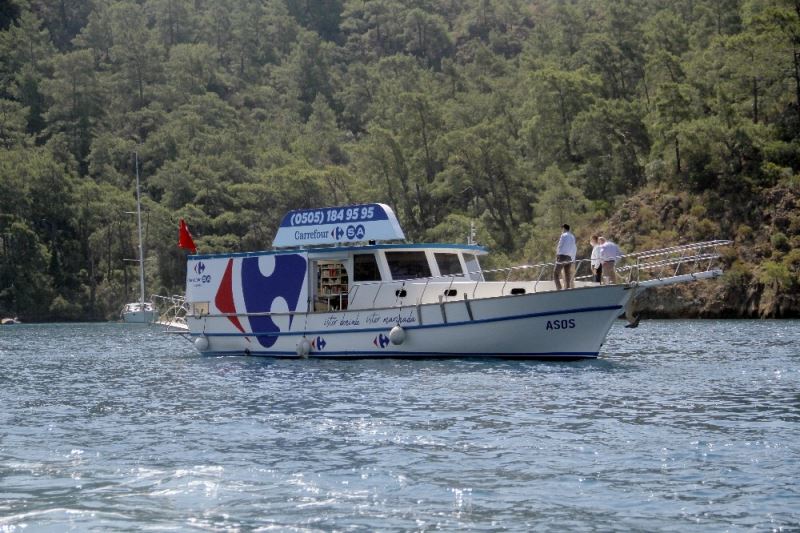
679, 426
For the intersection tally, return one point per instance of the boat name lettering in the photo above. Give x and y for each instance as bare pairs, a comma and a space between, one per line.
398, 319
335, 321
315, 234
354, 321
374, 318
561, 324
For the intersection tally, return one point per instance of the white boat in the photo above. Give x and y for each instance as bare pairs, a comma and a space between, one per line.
342, 283
142, 312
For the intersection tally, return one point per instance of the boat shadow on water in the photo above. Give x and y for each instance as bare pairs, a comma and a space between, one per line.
413, 365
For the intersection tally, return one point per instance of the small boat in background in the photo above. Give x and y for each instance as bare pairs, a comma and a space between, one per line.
141, 312
10, 321
138, 312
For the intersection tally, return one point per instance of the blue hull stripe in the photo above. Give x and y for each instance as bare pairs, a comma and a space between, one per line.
393, 353
410, 327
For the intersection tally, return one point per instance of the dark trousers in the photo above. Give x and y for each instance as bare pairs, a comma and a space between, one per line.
563, 262
598, 273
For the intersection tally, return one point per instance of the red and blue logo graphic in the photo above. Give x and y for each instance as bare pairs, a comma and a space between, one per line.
260, 292
381, 341
353, 232
199, 267
318, 344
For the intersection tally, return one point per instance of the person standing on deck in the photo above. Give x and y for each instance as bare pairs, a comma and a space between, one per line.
566, 249
597, 262
609, 252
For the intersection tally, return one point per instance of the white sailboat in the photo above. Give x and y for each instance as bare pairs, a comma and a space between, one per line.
142, 312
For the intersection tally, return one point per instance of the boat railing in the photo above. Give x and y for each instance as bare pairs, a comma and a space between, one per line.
172, 311
693, 260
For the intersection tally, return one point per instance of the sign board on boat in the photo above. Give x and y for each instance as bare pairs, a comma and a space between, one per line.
336, 225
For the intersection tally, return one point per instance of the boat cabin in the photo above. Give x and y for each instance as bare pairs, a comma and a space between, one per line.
337, 276
331, 259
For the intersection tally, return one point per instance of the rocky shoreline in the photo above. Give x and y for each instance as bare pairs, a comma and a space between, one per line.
713, 300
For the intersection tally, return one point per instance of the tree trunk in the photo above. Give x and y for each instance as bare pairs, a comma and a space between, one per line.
755, 100
797, 81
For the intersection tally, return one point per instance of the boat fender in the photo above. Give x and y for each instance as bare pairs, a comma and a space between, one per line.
397, 335
303, 347
201, 343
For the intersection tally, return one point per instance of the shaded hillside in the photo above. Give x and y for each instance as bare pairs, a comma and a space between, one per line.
761, 268
660, 122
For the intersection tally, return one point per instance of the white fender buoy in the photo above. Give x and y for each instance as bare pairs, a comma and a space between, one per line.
303, 347
397, 335
201, 343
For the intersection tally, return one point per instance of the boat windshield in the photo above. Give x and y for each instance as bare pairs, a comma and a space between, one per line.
408, 265
473, 267
448, 264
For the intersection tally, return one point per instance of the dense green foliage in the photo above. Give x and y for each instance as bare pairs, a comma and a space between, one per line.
657, 121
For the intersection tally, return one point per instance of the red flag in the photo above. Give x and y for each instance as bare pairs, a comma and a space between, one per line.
185, 238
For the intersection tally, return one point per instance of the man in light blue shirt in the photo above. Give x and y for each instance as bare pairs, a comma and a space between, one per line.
566, 249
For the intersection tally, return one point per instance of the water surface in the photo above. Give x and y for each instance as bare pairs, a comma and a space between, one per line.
679, 426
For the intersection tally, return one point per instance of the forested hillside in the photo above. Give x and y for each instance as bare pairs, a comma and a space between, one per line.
656, 122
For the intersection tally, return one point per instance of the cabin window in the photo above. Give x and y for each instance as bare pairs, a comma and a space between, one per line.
365, 268
449, 265
473, 268
408, 265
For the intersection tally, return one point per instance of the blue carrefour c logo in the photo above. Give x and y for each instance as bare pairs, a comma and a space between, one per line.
337, 232
199, 267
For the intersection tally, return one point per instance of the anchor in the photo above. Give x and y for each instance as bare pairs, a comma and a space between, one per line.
632, 318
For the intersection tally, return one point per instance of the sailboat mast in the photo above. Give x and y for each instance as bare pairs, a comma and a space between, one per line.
139, 224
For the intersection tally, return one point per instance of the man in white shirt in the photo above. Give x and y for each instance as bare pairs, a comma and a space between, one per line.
597, 262
609, 252
566, 249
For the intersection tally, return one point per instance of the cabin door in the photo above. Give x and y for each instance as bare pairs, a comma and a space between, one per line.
331, 285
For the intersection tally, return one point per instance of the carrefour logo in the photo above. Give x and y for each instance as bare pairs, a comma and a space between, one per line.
353, 232
201, 278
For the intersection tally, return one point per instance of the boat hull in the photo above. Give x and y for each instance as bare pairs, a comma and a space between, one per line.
139, 317
569, 324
